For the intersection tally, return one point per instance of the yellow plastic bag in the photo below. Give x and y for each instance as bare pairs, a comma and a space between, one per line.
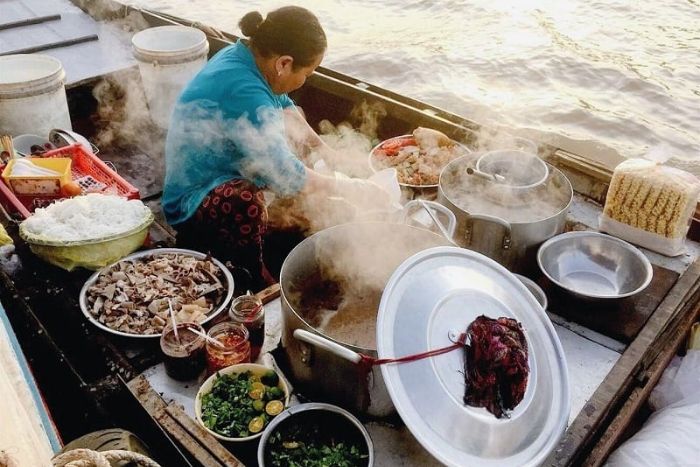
694, 342
4, 238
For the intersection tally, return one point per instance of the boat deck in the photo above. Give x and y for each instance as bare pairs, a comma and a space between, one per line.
593, 336
91, 379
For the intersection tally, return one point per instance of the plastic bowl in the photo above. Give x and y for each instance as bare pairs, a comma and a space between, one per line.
593, 265
330, 416
23, 144
206, 387
90, 254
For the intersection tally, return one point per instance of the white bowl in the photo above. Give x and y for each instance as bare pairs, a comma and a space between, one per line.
206, 387
23, 144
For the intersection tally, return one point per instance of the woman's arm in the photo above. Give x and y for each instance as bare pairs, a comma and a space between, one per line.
354, 190
303, 139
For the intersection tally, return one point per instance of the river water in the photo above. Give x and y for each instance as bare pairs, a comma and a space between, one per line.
605, 79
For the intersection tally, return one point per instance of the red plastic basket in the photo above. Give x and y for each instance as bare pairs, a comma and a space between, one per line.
84, 163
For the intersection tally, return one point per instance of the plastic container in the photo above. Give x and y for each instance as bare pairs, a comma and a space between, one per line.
84, 163
38, 184
90, 254
650, 205
32, 95
168, 58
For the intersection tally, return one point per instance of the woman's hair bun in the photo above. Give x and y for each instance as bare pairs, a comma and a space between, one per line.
250, 23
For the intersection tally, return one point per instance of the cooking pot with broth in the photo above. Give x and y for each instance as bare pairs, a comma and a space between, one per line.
504, 222
331, 285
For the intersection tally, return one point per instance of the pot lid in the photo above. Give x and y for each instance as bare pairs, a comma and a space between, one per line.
429, 300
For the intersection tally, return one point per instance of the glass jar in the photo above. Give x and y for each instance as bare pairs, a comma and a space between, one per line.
248, 310
234, 348
183, 355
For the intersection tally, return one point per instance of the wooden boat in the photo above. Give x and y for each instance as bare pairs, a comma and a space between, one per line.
91, 379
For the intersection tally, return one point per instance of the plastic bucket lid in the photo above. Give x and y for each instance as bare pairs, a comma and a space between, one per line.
169, 44
25, 75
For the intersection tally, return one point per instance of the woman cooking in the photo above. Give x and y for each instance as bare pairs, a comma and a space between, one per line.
228, 139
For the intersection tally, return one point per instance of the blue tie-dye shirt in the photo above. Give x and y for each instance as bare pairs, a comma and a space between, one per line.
227, 124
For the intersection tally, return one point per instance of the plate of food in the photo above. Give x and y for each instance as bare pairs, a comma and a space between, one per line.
418, 158
132, 297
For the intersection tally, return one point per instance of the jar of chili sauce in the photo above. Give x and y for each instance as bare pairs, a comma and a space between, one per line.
233, 347
248, 310
183, 354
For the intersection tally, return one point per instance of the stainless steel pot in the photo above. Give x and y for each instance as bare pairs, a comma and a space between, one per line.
507, 226
324, 367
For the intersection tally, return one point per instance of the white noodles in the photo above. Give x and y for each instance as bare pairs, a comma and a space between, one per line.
86, 217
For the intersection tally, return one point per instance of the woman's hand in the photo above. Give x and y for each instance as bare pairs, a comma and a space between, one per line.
362, 193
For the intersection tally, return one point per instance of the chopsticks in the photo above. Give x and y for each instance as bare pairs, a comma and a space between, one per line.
7, 149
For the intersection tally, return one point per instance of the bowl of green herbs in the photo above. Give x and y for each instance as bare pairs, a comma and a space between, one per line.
315, 435
237, 402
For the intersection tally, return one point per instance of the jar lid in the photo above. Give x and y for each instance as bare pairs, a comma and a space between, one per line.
428, 302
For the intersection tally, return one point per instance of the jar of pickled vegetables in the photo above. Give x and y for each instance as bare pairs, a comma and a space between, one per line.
233, 346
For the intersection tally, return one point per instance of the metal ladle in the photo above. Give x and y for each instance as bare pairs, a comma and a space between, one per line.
487, 176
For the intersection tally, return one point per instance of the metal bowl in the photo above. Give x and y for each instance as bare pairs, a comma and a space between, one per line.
535, 290
228, 280
521, 170
594, 265
376, 166
333, 418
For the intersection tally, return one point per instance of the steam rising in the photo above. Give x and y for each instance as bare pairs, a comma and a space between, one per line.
476, 195
357, 259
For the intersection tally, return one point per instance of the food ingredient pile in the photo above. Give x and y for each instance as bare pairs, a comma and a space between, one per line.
312, 445
418, 159
132, 296
240, 405
86, 218
496, 366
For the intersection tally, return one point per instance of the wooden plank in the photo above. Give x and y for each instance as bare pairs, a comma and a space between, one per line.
24, 431
612, 436
269, 294
199, 433
185, 440
610, 395
203, 446
620, 319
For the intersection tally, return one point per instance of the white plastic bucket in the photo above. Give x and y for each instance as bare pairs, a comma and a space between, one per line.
32, 95
168, 58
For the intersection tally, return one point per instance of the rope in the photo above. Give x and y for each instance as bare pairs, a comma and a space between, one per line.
90, 458
367, 362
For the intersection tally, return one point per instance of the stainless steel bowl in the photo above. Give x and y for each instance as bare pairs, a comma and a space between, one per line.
594, 265
337, 419
535, 290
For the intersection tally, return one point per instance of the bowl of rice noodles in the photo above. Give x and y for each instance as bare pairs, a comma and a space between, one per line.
90, 231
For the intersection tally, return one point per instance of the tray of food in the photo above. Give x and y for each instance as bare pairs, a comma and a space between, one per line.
131, 297
418, 158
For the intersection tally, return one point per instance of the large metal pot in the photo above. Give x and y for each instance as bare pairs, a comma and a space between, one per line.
507, 224
328, 368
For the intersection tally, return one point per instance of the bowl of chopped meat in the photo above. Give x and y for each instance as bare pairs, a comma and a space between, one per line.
418, 158
133, 296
